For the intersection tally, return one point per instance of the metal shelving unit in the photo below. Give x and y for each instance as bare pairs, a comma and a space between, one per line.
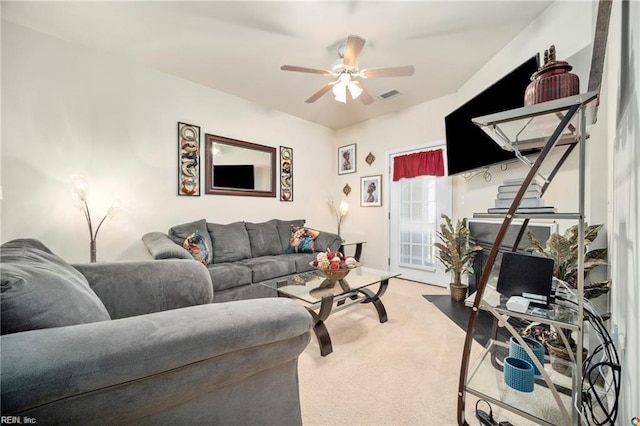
559, 124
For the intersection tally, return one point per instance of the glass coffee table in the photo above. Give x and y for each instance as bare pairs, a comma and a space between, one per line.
320, 294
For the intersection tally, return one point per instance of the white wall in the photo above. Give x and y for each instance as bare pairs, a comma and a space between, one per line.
569, 26
69, 109
565, 24
417, 126
623, 115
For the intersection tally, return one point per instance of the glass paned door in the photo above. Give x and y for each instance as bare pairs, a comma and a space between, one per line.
414, 217
417, 222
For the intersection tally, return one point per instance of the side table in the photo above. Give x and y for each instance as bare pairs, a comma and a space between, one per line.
358, 251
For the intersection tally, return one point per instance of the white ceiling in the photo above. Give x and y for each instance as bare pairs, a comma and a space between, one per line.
238, 47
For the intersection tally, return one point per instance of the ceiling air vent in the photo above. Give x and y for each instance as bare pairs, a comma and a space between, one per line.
388, 94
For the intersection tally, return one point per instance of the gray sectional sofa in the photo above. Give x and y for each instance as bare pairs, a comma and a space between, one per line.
141, 343
243, 254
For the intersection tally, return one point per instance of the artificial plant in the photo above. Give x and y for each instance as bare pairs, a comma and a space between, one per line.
455, 253
563, 249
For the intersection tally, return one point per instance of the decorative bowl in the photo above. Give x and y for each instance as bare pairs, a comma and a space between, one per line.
333, 274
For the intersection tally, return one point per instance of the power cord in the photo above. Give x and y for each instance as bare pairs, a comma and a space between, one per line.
603, 365
486, 419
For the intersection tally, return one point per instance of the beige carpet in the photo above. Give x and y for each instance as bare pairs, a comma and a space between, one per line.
402, 372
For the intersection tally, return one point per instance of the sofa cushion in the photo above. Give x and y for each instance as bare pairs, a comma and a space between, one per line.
284, 230
269, 267
302, 240
228, 275
40, 290
197, 246
303, 261
179, 233
328, 241
264, 239
230, 242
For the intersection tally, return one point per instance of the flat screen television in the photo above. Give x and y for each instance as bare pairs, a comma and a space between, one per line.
468, 146
237, 176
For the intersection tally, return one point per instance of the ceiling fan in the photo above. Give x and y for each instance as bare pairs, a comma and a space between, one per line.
346, 72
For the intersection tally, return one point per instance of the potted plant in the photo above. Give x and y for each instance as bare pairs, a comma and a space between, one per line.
456, 254
563, 249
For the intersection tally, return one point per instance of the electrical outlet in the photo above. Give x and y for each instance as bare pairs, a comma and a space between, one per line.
622, 341
614, 336
618, 337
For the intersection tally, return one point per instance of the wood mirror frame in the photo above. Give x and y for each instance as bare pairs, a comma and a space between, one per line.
261, 159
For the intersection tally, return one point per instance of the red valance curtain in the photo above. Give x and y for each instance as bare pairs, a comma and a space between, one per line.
426, 163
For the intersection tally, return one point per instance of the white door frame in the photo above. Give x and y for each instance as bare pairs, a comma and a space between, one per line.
447, 203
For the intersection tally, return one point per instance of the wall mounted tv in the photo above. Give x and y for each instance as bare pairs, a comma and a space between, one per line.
239, 176
468, 146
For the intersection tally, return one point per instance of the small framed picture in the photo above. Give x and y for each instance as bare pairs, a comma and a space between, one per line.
371, 191
347, 159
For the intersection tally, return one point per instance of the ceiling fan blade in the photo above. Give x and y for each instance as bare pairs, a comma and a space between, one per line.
303, 69
352, 50
319, 93
404, 71
365, 97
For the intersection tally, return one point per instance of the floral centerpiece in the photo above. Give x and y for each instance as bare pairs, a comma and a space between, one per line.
333, 264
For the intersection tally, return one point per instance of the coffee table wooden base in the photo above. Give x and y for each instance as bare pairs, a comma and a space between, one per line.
323, 296
363, 295
320, 330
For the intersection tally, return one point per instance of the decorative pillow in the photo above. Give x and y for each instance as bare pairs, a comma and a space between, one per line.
40, 290
302, 240
179, 233
284, 230
197, 246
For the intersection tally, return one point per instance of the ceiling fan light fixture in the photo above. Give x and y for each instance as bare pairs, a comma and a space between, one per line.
347, 69
340, 91
337, 66
354, 89
344, 77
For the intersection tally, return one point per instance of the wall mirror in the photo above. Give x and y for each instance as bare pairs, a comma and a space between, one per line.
235, 167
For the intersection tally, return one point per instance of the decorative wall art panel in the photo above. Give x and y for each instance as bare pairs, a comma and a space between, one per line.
189, 159
286, 174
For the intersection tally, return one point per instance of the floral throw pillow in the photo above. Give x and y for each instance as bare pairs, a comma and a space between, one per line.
197, 246
302, 240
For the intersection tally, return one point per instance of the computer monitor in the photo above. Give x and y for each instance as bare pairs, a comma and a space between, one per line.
526, 275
